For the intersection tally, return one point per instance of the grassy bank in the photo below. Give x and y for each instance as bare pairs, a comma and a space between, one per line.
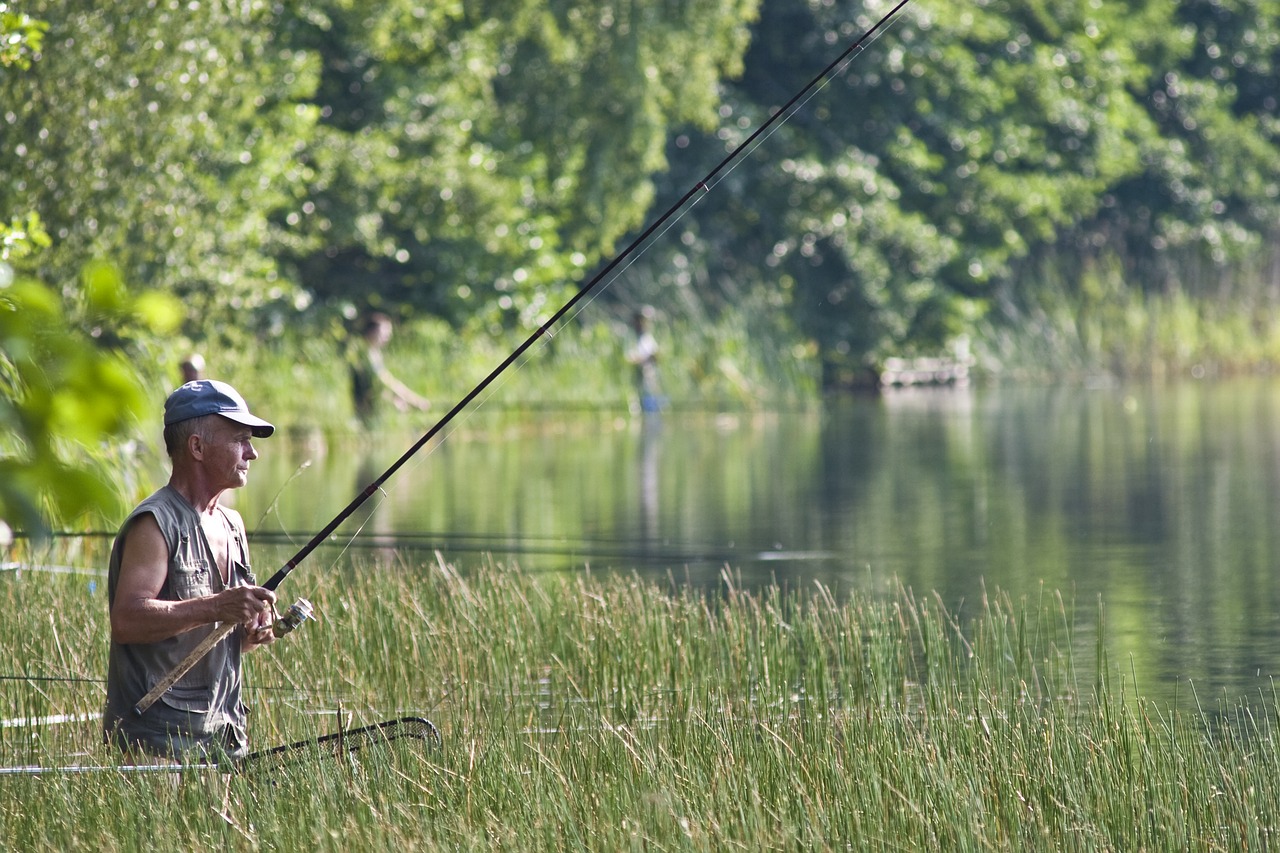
1079, 317
605, 713
302, 378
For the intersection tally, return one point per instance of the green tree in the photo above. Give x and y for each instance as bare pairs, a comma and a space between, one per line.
67, 377
165, 136
879, 215
1209, 186
477, 157
1189, 234
909, 196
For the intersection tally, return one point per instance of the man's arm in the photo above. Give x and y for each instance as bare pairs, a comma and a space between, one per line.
138, 615
401, 395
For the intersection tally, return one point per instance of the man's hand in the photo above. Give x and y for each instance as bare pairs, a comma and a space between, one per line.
254, 608
257, 631
138, 615
244, 604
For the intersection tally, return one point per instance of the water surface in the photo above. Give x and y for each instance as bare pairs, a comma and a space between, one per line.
1158, 502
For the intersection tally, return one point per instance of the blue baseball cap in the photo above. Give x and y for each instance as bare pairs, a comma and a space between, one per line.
210, 397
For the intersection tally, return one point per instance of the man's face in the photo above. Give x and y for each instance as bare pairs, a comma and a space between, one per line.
228, 452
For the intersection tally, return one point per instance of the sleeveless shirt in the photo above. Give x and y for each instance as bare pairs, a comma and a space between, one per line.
203, 711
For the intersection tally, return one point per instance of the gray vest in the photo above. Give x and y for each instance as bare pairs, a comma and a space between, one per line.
203, 710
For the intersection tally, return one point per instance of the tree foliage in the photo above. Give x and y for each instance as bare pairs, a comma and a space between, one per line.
475, 158
1210, 169
900, 201
164, 136
20, 37
67, 385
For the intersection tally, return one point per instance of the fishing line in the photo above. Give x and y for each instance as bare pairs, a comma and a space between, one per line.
257, 688
609, 271
634, 550
382, 496
19, 567
274, 506
268, 761
56, 678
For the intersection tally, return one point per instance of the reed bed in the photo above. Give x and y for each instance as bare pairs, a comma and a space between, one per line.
604, 712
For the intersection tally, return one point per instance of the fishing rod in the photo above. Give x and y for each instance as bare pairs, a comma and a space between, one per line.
701, 186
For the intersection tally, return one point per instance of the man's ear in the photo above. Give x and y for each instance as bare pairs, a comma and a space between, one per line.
196, 445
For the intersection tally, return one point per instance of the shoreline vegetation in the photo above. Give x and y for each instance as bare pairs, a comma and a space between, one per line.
299, 380
1107, 335
599, 711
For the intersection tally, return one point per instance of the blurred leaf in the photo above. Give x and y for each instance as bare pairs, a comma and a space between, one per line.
21, 37
62, 394
103, 288
159, 312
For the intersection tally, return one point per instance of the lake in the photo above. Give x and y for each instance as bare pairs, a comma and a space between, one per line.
1157, 501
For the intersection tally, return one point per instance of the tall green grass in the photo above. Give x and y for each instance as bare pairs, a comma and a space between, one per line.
605, 712
1084, 316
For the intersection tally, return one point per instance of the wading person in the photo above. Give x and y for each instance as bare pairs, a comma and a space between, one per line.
179, 566
643, 357
370, 378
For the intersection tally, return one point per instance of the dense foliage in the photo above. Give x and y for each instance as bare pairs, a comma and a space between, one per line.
917, 190
164, 137
475, 158
473, 161
280, 166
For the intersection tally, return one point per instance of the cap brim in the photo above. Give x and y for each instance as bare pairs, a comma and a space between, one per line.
259, 427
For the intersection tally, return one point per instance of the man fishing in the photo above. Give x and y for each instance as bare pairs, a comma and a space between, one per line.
370, 378
179, 566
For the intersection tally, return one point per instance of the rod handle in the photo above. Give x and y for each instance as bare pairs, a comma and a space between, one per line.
162, 686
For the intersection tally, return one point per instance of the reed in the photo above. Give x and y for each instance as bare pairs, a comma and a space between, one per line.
606, 712
1075, 315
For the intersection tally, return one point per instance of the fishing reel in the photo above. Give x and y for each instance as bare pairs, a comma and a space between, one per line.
300, 611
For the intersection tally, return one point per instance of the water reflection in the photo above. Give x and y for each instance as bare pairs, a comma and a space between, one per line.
1157, 501
650, 463
367, 519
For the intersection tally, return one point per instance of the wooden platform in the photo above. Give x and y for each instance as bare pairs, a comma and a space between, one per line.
900, 372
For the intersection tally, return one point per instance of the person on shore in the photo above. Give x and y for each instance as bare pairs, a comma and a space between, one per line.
192, 368
179, 566
370, 378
